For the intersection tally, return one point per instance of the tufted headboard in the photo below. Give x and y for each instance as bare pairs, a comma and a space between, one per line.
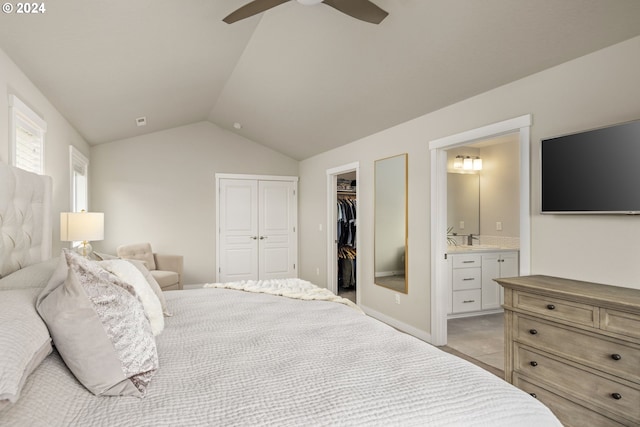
25, 218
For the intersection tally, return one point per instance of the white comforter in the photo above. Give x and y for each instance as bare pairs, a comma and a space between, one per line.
231, 358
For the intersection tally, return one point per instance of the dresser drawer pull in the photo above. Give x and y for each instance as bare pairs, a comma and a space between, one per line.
534, 395
468, 301
533, 363
616, 356
551, 306
616, 396
468, 278
533, 332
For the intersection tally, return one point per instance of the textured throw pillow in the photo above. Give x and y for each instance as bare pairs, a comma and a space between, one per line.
140, 265
128, 273
24, 341
100, 329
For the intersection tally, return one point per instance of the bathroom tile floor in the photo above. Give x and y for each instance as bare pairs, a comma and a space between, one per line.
479, 337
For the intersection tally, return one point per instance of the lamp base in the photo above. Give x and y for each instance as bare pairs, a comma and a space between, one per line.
84, 249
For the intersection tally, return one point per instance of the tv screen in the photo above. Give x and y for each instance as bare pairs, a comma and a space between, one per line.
596, 171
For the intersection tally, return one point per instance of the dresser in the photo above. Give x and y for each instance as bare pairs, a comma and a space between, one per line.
576, 347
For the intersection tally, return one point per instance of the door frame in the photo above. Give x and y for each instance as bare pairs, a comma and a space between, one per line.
332, 247
220, 176
438, 149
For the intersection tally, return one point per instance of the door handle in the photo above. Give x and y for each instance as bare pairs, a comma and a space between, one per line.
263, 237
253, 237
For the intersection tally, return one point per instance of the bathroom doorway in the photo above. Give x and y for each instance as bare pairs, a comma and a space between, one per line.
440, 271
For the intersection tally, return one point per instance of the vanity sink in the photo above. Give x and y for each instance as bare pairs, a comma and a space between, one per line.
468, 248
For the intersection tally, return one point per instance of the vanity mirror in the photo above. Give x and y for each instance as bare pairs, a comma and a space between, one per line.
463, 203
390, 223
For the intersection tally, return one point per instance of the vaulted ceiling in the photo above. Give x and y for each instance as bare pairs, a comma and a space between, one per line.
299, 79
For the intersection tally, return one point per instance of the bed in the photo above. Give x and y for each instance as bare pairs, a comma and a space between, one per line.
228, 357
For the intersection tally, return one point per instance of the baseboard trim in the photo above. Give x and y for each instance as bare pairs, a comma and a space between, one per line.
411, 330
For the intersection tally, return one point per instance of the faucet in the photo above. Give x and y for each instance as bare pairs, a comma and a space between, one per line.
470, 238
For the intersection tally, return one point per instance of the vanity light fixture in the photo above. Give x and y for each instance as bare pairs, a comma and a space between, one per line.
457, 163
477, 164
468, 163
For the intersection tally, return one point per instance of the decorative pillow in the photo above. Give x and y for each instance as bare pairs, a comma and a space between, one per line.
100, 329
140, 265
128, 273
24, 341
32, 276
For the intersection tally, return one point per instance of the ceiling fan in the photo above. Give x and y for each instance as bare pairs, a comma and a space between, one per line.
363, 10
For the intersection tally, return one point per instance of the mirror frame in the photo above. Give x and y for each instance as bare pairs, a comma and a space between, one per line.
376, 216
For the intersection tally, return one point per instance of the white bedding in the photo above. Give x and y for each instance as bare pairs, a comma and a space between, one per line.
232, 358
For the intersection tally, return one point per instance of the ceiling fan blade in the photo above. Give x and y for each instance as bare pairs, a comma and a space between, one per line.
363, 10
253, 8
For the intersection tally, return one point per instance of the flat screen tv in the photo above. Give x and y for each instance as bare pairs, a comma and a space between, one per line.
592, 172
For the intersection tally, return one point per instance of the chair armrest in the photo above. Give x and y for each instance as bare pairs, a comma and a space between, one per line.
170, 263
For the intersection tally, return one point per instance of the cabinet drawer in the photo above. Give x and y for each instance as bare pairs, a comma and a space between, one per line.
582, 314
620, 322
467, 260
599, 391
467, 278
569, 413
464, 301
601, 354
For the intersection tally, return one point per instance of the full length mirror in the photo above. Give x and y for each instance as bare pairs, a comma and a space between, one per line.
463, 203
390, 228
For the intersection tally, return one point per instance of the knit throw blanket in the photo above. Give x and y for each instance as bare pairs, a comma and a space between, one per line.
290, 288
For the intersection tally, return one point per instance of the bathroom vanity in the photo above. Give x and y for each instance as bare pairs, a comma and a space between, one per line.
472, 270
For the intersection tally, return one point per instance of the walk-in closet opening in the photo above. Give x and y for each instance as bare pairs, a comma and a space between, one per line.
342, 231
346, 226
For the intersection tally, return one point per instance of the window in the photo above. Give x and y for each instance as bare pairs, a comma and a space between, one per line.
27, 129
79, 180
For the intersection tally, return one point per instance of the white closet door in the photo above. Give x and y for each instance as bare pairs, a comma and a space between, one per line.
277, 240
257, 235
238, 230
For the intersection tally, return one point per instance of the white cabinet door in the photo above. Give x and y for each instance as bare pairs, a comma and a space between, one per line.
490, 289
494, 266
257, 236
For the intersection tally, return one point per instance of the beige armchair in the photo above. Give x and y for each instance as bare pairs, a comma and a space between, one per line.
166, 269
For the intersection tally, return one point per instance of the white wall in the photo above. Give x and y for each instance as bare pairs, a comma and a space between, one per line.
60, 134
160, 188
595, 90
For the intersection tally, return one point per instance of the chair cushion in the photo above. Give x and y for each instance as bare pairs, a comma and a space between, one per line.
165, 278
139, 251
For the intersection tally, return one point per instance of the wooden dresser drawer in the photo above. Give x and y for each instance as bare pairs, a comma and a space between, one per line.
603, 393
571, 414
467, 278
609, 356
556, 308
467, 260
464, 301
620, 322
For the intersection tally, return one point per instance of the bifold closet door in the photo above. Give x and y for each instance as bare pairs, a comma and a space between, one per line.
257, 230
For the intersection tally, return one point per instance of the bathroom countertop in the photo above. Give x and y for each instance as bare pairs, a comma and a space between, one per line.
463, 249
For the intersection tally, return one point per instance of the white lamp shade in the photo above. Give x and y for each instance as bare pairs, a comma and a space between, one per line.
477, 164
81, 226
468, 163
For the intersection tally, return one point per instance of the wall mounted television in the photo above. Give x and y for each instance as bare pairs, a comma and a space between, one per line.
592, 172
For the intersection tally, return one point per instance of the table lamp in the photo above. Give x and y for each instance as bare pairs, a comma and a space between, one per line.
82, 226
